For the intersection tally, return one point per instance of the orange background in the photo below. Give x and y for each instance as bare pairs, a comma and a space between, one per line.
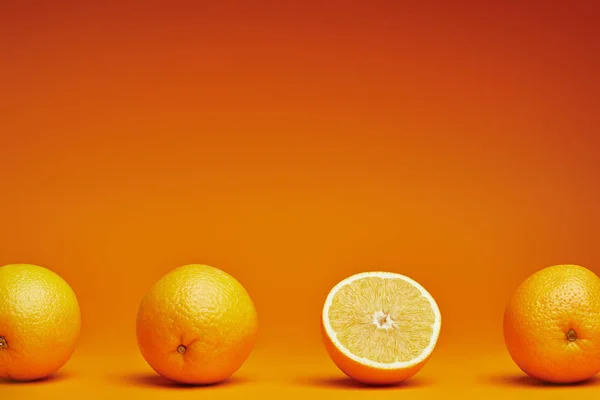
292, 144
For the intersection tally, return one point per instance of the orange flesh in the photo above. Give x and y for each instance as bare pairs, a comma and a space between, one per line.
382, 320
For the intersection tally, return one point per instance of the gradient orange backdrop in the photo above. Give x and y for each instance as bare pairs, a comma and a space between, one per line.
292, 144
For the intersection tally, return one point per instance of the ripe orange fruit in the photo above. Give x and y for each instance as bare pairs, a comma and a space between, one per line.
197, 325
552, 324
379, 327
39, 322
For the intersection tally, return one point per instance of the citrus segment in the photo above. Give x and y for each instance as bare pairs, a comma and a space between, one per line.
380, 327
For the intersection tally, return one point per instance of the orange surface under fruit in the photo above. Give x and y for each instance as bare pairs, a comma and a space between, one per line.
552, 324
39, 322
197, 325
380, 328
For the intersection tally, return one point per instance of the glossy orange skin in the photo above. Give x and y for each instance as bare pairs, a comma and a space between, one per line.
205, 310
40, 322
540, 315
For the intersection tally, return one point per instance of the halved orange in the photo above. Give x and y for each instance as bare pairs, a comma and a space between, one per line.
380, 327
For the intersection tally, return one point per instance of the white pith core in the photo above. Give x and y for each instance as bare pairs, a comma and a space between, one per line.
398, 364
383, 320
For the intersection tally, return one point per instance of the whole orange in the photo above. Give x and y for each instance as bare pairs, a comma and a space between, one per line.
197, 325
552, 324
39, 322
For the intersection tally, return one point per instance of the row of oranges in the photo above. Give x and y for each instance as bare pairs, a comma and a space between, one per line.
197, 325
